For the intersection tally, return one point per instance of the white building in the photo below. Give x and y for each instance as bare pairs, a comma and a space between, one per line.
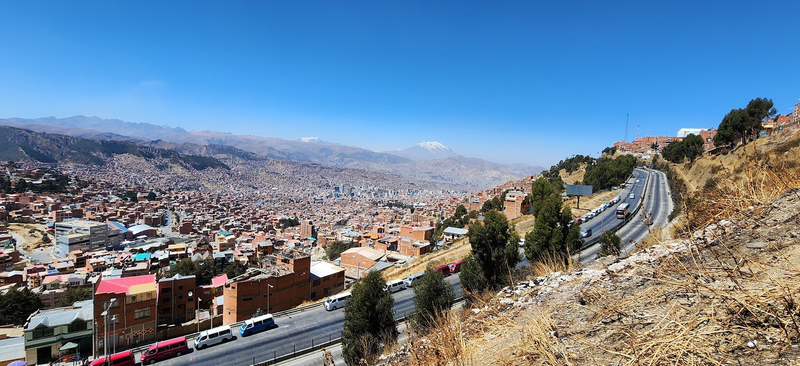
83, 235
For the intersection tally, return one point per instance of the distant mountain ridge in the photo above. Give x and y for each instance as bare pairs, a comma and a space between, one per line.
425, 150
472, 173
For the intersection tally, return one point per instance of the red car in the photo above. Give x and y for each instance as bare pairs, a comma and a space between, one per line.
455, 267
444, 268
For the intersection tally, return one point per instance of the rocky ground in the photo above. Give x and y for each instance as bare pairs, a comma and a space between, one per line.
729, 295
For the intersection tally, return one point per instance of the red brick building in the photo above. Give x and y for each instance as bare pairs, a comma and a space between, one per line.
326, 279
177, 299
280, 284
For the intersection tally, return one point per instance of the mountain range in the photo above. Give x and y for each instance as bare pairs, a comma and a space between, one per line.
426, 161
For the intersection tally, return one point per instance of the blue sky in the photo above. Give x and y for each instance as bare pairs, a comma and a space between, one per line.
511, 81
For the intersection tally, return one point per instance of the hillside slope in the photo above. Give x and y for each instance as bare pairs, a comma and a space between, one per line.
725, 293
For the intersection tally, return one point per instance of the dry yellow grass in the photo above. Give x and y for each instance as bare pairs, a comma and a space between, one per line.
458, 250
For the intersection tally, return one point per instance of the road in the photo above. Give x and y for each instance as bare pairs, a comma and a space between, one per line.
657, 203
296, 331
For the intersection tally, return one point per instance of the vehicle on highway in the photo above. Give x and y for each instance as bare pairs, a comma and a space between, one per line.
118, 359
213, 337
163, 350
522, 241
455, 267
337, 301
445, 269
410, 280
586, 233
623, 210
394, 286
257, 324
631, 196
615, 200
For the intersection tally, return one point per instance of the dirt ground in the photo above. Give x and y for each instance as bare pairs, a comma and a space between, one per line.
456, 251
32, 240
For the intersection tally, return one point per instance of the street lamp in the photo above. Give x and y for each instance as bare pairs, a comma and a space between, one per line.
268, 308
105, 325
196, 311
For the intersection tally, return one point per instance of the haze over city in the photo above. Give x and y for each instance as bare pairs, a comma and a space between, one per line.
520, 82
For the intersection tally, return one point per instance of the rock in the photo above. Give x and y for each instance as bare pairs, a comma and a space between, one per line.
476, 311
752, 344
518, 292
756, 245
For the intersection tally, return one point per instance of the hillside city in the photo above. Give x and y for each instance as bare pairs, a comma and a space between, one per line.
130, 253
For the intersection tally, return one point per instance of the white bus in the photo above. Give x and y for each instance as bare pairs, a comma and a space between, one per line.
337, 301
623, 210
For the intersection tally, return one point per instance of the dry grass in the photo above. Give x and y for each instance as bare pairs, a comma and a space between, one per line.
458, 250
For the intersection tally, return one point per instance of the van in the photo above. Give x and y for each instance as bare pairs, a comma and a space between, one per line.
256, 325
337, 301
444, 268
163, 350
410, 280
118, 359
213, 337
455, 267
394, 286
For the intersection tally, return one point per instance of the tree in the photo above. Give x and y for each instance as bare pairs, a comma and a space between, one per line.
609, 243
335, 249
693, 146
16, 305
432, 297
472, 280
743, 124
45, 238
540, 189
74, 294
203, 271
553, 232
368, 320
493, 248
151, 196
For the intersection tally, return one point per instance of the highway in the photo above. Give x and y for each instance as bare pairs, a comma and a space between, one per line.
295, 330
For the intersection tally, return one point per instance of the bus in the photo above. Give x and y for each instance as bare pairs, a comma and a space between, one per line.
256, 325
623, 210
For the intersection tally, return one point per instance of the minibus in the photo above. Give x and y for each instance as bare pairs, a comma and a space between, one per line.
118, 359
213, 336
394, 286
164, 350
337, 301
257, 324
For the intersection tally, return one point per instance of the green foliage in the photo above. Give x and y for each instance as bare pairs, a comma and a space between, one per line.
234, 269
130, 196
540, 189
368, 321
553, 233
74, 294
203, 271
743, 124
16, 305
151, 196
492, 204
289, 222
494, 248
608, 172
46, 238
335, 249
473, 283
432, 296
689, 148
609, 244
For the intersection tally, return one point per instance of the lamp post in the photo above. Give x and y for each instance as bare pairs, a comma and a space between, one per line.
268, 295
105, 325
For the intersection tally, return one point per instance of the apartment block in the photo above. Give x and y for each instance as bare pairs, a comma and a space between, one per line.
83, 235
132, 316
177, 299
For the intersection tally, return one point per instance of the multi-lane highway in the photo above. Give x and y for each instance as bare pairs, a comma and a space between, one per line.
295, 331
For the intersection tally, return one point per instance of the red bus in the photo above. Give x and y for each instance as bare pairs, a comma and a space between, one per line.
455, 267
118, 359
164, 350
444, 268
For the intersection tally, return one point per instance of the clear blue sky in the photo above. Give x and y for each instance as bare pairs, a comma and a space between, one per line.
507, 81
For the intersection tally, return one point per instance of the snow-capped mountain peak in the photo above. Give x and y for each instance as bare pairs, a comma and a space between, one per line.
425, 150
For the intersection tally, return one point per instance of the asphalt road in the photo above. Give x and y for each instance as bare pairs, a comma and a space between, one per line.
296, 331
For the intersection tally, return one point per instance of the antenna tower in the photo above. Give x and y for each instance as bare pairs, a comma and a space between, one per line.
626, 125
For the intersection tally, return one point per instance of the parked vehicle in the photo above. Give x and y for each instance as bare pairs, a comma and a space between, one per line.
394, 286
337, 301
445, 269
257, 324
410, 280
164, 350
118, 359
455, 267
213, 337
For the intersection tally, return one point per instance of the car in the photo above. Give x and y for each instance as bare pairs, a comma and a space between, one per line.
522, 241
586, 233
631, 196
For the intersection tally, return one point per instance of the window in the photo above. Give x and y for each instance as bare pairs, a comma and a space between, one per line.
180, 297
166, 300
42, 332
249, 298
142, 313
167, 290
77, 326
325, 291
316, 282
313, 294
